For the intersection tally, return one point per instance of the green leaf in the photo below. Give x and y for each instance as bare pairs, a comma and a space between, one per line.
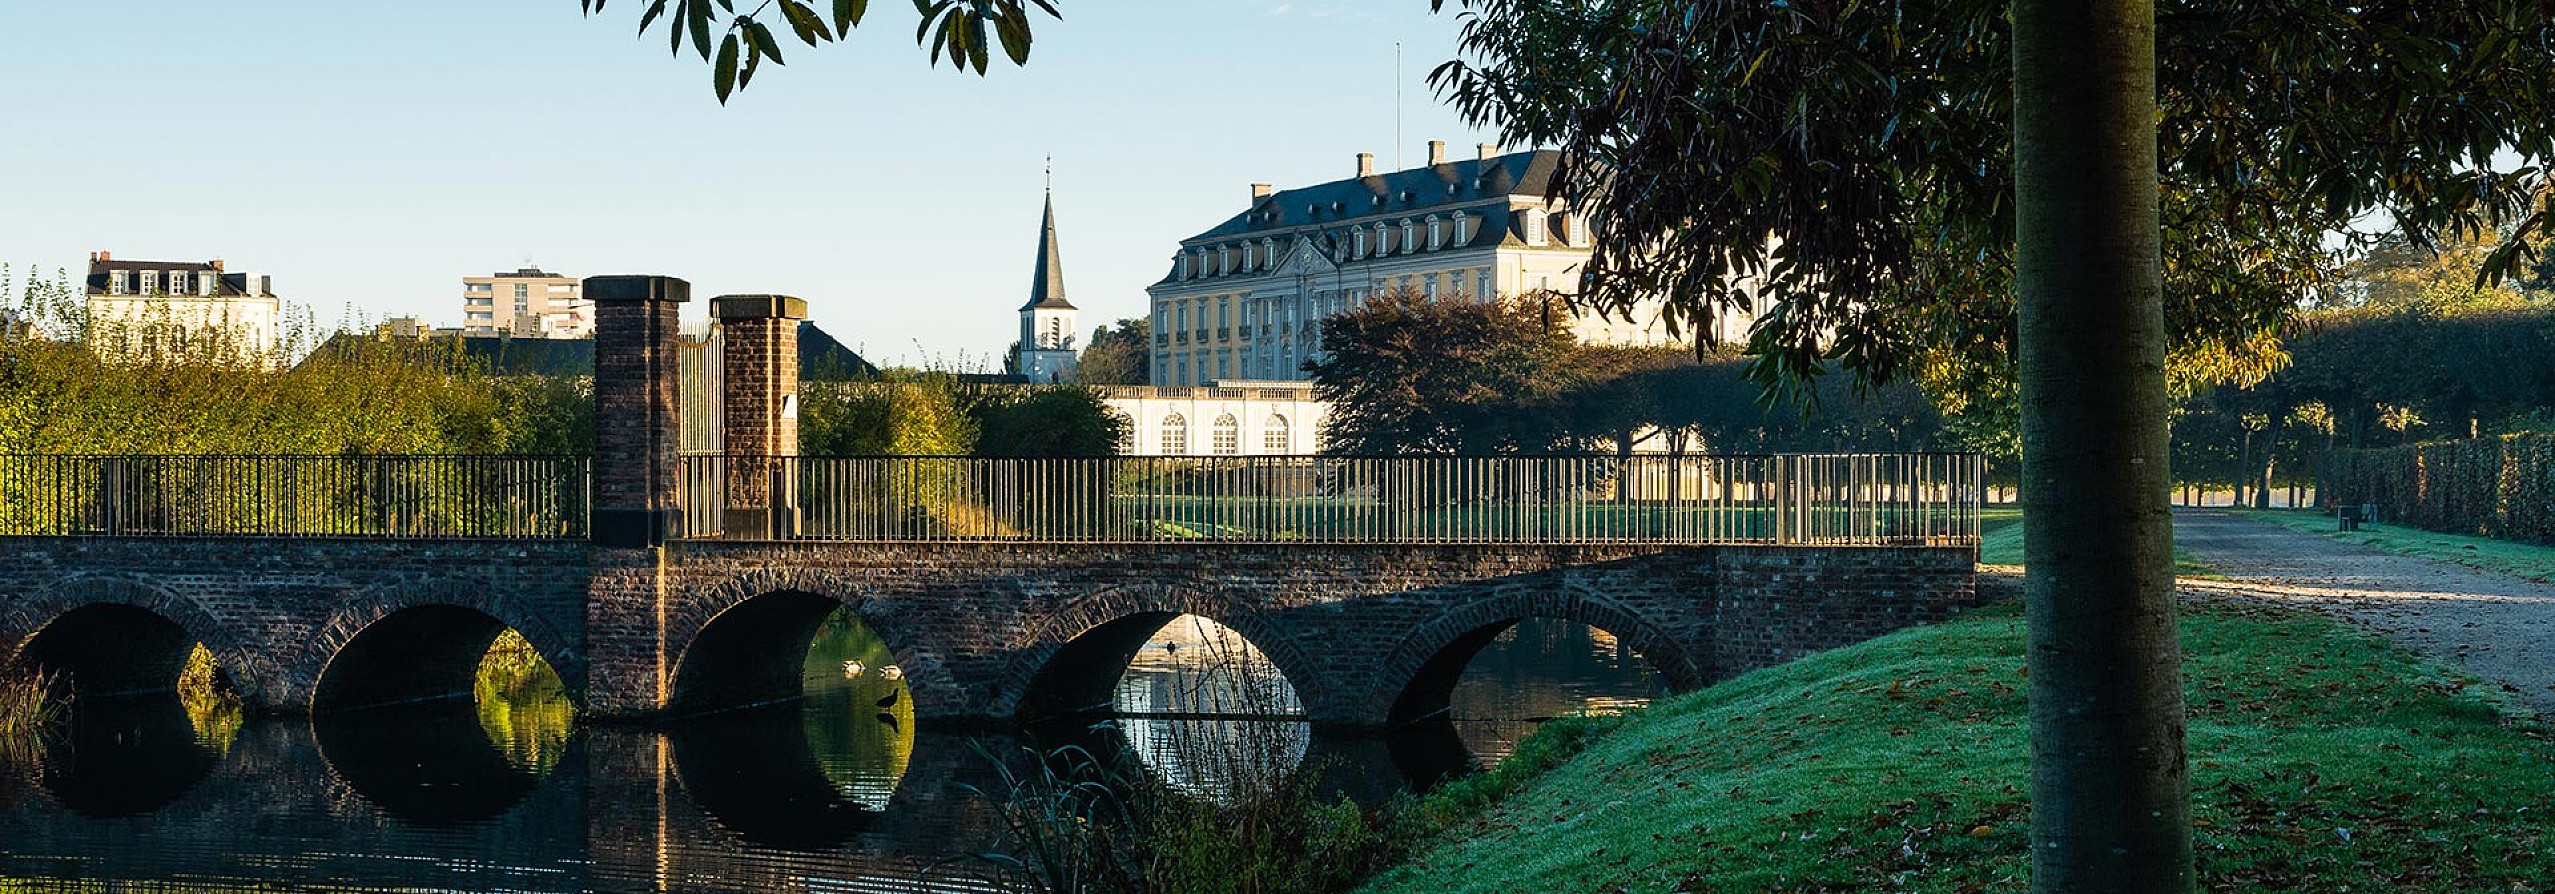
699, 12
847, 13
723, 72
761, 35
1013, 28
803, 20
654, 10
753, 60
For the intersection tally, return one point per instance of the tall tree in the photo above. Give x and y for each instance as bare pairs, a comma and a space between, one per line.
1986, 189
1407, 374
1118, 355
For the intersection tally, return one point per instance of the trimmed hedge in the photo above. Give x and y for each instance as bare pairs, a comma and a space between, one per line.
2501, 487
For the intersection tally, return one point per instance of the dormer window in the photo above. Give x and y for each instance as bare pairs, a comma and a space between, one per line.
1410, 236
1535, 234
1463, 228
1361, 244
1436, 233
1223, 259
150, 282
116, 283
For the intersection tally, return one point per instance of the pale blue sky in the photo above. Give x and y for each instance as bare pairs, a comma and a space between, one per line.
373, 153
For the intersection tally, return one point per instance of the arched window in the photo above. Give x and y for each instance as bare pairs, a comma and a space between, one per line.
1410, 236
1175, 435
1359, 253
1228, 435
1463, 228
1436, 233
1273, 439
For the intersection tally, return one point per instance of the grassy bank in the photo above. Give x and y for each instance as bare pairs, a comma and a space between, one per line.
2000, 542
2322, 759
2523, 559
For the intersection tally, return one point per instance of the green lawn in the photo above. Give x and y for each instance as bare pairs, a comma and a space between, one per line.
2523, 559
2322, 760
2000, 542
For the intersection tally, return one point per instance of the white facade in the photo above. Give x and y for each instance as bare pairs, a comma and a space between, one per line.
1235, 418
139, 307
1245, 300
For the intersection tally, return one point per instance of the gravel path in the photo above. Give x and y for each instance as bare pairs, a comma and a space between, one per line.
2495, 626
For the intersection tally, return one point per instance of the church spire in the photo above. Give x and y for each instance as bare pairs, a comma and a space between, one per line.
1047, 285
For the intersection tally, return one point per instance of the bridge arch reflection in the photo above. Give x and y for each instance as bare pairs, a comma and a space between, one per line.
1425, 668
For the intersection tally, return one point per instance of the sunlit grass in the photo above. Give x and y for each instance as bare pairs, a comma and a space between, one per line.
2524, 559
2321, 758
2001, 543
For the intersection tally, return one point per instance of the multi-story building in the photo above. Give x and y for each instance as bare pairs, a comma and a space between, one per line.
150, 306
1245, 300
528, 303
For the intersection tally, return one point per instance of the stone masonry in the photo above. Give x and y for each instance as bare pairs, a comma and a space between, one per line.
644, 624
760, 421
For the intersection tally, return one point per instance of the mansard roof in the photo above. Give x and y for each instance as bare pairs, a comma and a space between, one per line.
1446, 187
1047, 284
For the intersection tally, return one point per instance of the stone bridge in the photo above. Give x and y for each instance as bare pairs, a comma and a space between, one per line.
644, 622
1370, 635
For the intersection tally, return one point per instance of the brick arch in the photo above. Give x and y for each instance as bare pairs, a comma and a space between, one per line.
925, 678
561, 644
1425, 662
240, 656
1034, 655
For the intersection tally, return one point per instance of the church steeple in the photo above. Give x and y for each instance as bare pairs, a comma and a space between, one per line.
1047, 284
1045, 352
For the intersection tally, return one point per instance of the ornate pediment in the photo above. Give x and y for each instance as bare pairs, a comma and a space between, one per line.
1305, 258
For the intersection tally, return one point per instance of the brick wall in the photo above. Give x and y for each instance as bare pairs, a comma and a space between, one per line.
976, 625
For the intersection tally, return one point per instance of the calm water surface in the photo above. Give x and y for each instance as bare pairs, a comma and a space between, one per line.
840, 792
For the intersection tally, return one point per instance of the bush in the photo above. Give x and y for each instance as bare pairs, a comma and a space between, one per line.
2501, 487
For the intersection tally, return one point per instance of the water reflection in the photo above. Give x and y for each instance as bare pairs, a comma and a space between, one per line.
1540, 669
835, 793
430, 763
1208, 713
125, 757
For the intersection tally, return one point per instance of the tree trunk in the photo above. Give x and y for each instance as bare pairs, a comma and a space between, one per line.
2110, 800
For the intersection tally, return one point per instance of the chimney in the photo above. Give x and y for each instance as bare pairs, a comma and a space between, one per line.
1489, 150
106, 256
1261, 191
1366, 164
217, 265
1436, 152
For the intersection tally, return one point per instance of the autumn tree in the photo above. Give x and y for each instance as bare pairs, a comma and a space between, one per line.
2062, 194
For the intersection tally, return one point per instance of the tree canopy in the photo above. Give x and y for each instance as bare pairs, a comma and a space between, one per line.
965, 32
1873, 143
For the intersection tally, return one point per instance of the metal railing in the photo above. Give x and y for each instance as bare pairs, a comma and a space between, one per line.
1840, 499
513, 497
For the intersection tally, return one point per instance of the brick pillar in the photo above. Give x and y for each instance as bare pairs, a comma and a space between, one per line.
637, 425
761, 421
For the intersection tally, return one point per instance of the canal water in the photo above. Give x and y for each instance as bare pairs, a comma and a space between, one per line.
838, 792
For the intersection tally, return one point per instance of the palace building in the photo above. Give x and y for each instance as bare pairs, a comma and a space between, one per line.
1245, 300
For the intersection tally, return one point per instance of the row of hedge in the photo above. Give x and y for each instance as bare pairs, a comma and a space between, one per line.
2501, 487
